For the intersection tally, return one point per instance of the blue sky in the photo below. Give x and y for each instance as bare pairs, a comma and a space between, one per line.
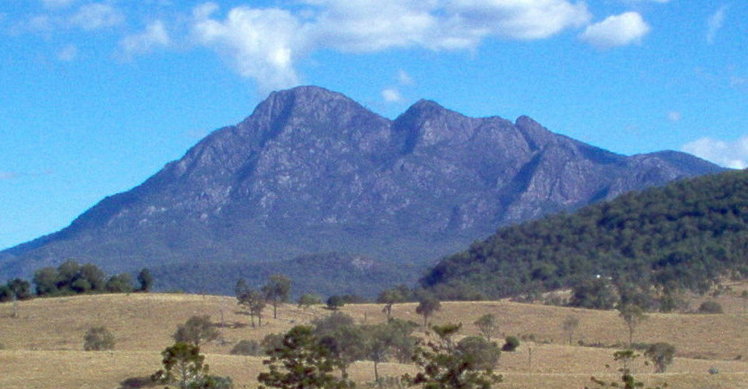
97, 95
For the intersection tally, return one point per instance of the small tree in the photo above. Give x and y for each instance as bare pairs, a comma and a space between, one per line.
276, 291
145, 279
98, 338
570, 325
247, 347
196, 330
482, 353
427, 305
661, 355
710, 307
389, 298
254, 302
183, 365
301, 362
308, 299
335, 302
633, 315
442, 365
510, 343
120, 283
627, 379
487, 325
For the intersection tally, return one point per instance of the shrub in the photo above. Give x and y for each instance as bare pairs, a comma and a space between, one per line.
661, 354
710, 307
247, 347
196, 330
98, 338
335, 302
511, 343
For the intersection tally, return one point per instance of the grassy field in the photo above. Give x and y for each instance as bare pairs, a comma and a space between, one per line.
43, 346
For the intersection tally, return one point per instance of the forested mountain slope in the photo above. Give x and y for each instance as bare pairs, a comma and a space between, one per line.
684, 235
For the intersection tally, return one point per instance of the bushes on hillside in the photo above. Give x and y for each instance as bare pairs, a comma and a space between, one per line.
710, 307
98, 338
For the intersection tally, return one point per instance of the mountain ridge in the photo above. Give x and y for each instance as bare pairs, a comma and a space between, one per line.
313, 171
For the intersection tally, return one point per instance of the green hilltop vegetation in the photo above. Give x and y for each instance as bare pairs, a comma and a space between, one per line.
653, 244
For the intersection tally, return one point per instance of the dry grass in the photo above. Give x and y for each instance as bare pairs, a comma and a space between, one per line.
43, 346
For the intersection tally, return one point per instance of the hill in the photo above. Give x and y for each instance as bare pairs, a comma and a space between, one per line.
312, 171
42, 347
686, 235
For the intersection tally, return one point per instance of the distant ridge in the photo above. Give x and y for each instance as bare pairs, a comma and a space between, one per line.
313, 171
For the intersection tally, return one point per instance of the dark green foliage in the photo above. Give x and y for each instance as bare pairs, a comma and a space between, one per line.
335, 302
15, 289
247, 347
301, 363
661, 354
386, 340
196, 330
710, 307
145, 279
72, 278
442, 365
428, 304
330, 324
276, 291
481, 353
595, 293
98, 338
510, 343
682, 236
270, 342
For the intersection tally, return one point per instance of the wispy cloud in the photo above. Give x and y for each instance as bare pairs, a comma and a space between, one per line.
8, 175
154, 36
95, 16
616, 30
392, 95
68, 53
715, 23
732, 154
674, 116
57, 3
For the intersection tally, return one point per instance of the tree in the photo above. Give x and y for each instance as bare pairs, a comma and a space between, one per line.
596, 293
347, 344
308, 299
254, 301
45, 281
335, 302
145, 279
247, 347
301, 363
487, 325
196, 330
442, 365
427, 305
389, 298
480, 352
119, 283
21, 289
661, 354
98, 338
92, 275
627, 379
388, 339
633, 315
710, 307
570, 325
276, 291
183, 364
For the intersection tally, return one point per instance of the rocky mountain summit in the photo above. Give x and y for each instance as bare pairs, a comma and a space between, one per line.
313, 171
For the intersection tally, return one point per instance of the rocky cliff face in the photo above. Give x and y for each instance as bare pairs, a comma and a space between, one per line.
312, 171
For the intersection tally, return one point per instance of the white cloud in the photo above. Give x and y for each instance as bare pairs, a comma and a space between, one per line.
729, 154
264, 43
392, 95
96, 16
616, 30
674, 116
261, 43
715, 23
68, 53
155, 35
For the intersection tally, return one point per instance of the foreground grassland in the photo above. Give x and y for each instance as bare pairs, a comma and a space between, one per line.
43, 346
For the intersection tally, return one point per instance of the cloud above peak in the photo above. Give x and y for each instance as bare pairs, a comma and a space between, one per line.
731, 154
264, 43
617, 30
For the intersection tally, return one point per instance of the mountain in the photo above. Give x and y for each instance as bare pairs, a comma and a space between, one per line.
686, 235
312, 171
